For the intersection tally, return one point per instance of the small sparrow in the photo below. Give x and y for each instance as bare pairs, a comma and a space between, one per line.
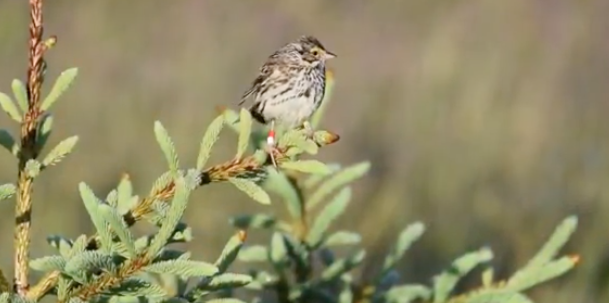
290, 87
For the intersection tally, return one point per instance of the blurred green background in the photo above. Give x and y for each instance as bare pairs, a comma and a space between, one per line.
484, 119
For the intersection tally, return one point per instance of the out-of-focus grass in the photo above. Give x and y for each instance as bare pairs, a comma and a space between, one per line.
485, 119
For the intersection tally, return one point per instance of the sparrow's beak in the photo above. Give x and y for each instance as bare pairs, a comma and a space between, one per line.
329, 55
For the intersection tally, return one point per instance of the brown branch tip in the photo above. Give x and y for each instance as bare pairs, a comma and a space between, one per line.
29, 149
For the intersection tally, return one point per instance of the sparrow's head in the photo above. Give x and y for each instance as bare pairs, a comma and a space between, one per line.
308, 51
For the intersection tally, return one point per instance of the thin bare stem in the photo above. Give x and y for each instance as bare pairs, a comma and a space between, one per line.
23, 209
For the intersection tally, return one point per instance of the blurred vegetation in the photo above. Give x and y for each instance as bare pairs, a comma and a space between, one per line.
484, 119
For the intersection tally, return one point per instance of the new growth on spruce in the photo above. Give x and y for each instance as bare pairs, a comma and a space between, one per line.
299, 261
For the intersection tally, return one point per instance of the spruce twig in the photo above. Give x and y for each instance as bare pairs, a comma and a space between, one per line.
301, 272
4, 286
301, 225
108, 280
245, 167
29, 149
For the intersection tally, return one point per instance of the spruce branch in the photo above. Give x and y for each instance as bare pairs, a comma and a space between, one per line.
130, 267
29, 149
246, 167
108, 280
296, 251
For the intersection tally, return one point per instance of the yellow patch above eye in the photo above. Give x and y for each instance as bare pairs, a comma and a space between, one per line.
315, 50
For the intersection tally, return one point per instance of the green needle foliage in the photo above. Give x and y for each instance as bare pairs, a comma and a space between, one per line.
298, 263
115, 265
305, 265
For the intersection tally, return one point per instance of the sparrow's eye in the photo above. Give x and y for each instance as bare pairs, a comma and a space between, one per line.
315, 52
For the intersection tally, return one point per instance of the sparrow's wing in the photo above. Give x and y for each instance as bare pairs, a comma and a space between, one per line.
265, 72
